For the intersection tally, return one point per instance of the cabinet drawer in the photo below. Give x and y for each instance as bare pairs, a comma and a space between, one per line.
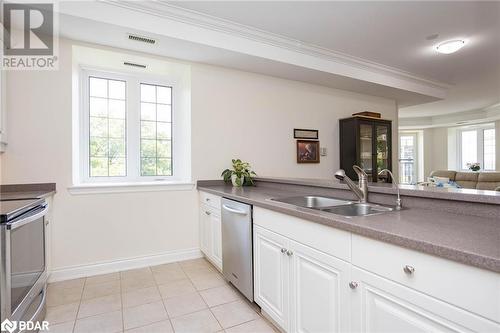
465, 286
210, 200
320, 237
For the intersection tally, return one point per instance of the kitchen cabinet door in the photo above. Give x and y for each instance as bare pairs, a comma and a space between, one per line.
216, 240
380, 305
319, 291
271, 276
205, 230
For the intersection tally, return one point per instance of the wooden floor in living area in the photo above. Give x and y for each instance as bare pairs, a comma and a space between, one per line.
188, 296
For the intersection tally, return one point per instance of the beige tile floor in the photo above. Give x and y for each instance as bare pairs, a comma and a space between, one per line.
189, 296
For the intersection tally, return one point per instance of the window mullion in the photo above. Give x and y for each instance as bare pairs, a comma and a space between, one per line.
134, 128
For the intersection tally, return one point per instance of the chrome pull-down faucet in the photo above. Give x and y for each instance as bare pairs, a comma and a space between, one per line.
395, 184
360, 190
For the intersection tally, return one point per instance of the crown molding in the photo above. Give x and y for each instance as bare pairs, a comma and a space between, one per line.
463, 118
201, 20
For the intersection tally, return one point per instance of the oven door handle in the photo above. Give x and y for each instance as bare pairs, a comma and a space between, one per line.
40, 307
26, 220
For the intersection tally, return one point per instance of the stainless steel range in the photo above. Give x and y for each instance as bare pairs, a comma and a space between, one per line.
23, 272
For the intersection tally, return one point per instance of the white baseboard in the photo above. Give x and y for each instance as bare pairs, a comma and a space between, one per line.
75, 272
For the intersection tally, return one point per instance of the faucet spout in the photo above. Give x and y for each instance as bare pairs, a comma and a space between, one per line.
360, 191
395, 182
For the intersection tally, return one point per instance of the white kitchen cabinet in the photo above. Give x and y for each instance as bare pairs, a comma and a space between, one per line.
205, 229
319, 291
356, 284
271, 265
210, 228
216, 240
300, 288
381, 305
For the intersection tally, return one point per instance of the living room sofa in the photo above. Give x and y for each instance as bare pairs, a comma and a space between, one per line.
472, 180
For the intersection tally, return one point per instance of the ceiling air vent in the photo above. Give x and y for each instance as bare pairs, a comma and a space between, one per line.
142, 39
133, 64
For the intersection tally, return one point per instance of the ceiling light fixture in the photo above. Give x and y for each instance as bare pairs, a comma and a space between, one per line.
450, 46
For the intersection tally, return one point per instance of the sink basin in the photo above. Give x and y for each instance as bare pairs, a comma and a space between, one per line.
311, 201
358, 209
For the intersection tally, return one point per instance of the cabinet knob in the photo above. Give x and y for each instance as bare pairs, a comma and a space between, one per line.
409, 269
283, 250
289, 253
208, 213
353, 284
207, 199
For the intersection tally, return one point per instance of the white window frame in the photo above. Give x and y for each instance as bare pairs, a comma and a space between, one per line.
416, 159
480, 144
132, 124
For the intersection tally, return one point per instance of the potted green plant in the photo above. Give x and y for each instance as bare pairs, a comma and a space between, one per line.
240, 175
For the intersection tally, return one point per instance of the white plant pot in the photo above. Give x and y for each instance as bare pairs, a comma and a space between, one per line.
233, 180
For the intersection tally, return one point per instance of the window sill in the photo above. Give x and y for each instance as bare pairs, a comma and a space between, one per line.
102, 188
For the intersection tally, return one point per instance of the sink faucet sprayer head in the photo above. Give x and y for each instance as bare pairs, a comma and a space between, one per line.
340, 174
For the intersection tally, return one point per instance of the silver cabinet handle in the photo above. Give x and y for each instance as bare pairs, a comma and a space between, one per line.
289, 253
409, 269
207, 212
283, 250
353, 284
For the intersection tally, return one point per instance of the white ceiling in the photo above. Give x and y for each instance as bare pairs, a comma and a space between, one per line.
392, 34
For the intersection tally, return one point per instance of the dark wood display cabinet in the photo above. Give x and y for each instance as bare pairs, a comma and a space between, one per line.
366, 142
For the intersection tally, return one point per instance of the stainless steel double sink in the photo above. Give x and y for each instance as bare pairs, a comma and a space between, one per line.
335, 206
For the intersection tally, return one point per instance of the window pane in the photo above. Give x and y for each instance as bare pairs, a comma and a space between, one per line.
156, 130
107, 128
163, 148
117, 89
164, 112
98, 146
164, 95
116, 128
148, 166
148, 111
469, 148
98, 87
98, 107
148, 93
98, 126
164, 167
148, 148
163, 130
116, 109
489, 149
117, 148
117, 167
148, 129
98, 166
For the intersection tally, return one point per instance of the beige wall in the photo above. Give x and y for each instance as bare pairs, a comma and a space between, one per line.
234, 114
497, 145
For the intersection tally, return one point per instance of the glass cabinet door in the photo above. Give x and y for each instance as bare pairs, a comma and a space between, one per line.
366, 148
382, 146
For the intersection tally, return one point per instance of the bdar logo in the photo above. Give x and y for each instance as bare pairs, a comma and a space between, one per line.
8, 326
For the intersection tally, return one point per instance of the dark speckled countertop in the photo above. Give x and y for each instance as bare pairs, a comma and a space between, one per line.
470, 240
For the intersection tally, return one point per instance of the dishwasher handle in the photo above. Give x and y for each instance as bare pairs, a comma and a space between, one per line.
234, 210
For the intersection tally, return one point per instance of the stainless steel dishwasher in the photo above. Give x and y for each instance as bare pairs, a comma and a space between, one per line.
237, 254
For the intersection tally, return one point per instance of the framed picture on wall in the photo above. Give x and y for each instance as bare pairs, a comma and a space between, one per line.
307, 151
309, 134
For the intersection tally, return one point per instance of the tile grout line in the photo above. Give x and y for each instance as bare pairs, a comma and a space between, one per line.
162, 300
79, 304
